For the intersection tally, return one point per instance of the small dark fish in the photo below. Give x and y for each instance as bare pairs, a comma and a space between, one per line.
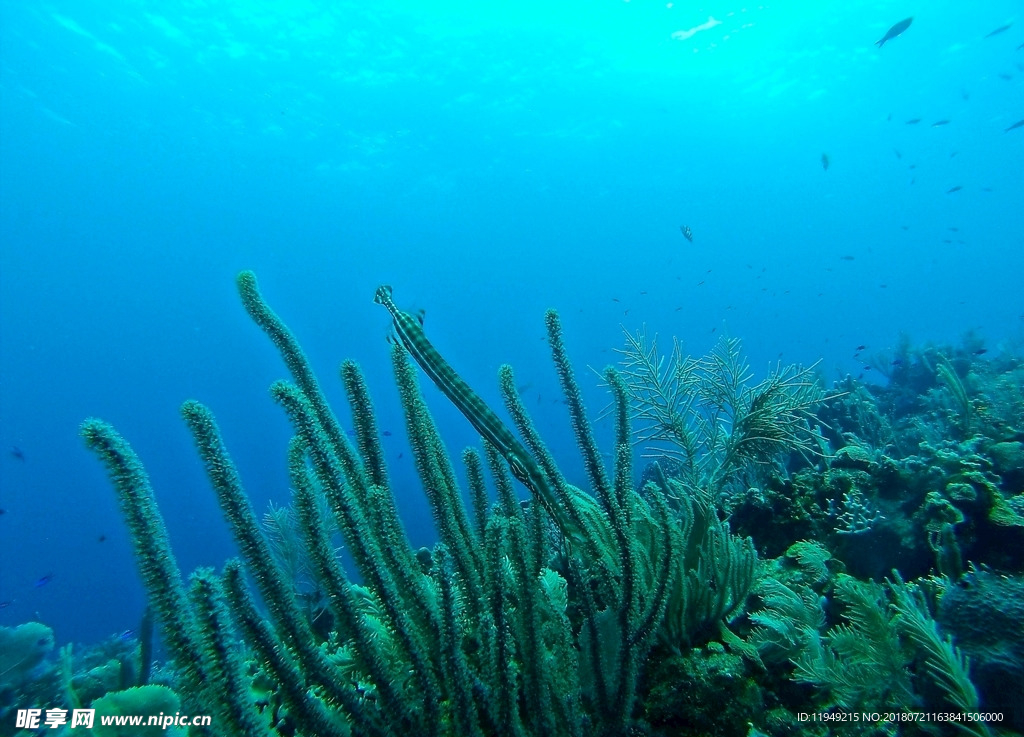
980, 351
5, 604
951, 190
867, 368
895, 31
824, 162
43, 580
687, 233
101, 539
913, 121
937, 123
898, 154
896, 362
1018, 124
847, 258
1005, 77
386, 433
18, 453
999, 30
860, 348
126, 635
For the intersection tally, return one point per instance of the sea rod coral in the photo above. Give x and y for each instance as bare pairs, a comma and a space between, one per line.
523, 619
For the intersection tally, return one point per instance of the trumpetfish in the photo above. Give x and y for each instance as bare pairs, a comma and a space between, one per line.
522, 465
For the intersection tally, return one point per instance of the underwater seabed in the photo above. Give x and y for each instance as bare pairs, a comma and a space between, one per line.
748, 585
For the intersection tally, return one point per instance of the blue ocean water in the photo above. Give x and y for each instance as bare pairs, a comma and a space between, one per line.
489, 161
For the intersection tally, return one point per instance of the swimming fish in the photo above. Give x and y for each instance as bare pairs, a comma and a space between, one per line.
824, 162
1018, 124
913, 121
937, 123
690, 32
895, 31
951, 190
483, 419
687, 233
998, 30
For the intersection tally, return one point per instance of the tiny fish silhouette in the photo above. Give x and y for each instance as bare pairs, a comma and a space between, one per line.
895, 31
1018, 124
951, 190
687, 233
937, 123
824, 162
913, 121
998, 30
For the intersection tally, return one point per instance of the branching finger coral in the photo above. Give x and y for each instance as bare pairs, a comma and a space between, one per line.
503, 628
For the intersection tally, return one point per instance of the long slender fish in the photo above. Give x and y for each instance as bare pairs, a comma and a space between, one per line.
998, 30
895, 31
483, 419
1018, 124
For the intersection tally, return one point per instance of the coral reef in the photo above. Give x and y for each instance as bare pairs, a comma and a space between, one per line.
791, 550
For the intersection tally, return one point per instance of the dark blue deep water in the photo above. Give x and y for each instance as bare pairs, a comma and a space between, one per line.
488, 160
